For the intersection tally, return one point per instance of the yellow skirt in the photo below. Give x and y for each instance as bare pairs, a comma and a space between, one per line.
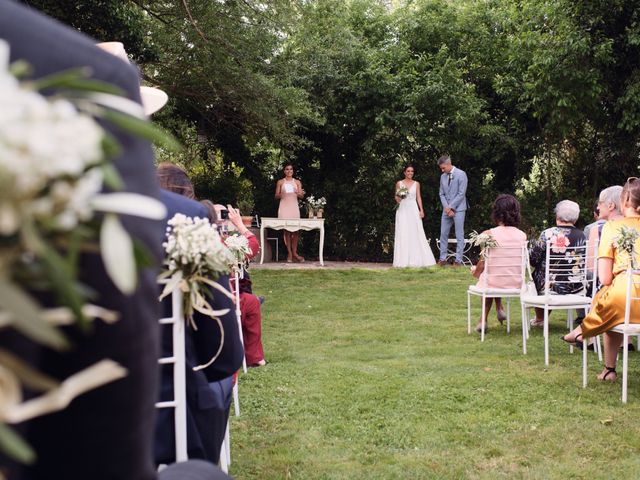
608, 306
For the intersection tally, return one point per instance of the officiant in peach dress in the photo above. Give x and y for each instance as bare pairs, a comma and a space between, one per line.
289, 191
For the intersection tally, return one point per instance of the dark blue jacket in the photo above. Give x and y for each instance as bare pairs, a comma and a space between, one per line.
206, 410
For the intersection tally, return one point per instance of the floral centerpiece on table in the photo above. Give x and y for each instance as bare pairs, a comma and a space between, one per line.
402, 192
315, 205
195, 257
626, 241
54, 165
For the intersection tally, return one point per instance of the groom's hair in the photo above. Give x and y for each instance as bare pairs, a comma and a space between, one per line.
444, 159
506, 210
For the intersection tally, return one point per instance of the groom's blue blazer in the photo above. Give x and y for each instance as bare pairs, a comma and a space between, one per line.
454, 194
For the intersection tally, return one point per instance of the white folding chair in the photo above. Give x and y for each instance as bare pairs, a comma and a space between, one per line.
179, 402
627, 329
225, 451
558, 272
502, 262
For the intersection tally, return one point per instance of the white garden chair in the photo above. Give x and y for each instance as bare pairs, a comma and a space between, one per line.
179, 402
560, 273
627, 329
504, 261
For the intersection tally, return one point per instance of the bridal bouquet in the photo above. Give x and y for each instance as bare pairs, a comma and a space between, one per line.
484, 241
402, 192
316, 203
626, 241
54, 164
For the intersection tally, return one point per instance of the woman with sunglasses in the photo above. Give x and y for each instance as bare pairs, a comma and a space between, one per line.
608, 306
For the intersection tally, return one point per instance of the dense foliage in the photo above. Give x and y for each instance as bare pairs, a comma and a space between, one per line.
535, 97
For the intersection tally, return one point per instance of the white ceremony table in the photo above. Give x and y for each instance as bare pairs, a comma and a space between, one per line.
292, 225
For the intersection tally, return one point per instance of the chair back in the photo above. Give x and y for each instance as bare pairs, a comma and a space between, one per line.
505, 266
632, 295
179, 402
565, 270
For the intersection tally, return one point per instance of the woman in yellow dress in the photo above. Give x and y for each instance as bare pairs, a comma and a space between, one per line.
608, 306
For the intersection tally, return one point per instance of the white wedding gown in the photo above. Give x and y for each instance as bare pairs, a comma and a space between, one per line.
411, 248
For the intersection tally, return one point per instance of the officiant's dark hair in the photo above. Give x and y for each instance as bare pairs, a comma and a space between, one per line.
506, 210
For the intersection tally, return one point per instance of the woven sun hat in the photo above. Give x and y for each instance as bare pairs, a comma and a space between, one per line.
153, 99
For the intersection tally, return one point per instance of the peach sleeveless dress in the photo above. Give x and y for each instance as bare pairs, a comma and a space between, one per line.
289, 201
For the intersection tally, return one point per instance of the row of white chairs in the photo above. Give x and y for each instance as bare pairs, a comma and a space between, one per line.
574, 277
177, 359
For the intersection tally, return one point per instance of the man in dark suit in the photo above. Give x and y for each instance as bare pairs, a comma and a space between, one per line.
207, 411
106, 433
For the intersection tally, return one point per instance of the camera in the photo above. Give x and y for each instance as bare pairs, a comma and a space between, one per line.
224, 214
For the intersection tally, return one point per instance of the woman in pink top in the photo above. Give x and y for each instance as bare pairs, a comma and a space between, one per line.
506, 215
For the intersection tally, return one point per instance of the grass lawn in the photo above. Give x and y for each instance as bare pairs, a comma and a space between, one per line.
372, 375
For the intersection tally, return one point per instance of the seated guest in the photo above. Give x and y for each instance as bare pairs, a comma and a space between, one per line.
563, 235
506, 216
207, 411
608, 306
106, 433
250, 316
597, 220
608, 209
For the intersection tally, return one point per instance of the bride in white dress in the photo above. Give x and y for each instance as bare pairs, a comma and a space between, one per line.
411, 248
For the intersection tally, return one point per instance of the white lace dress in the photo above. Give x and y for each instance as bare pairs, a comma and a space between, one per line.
411, 248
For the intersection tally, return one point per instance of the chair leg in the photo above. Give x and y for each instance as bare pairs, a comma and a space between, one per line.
598, 348
236, 400
523, 316
584, 364
483, 321
625, 366
508, 314
545, 334
569, 324
468, 313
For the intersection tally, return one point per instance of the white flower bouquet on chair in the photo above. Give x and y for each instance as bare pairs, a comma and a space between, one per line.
195, 258
238, 245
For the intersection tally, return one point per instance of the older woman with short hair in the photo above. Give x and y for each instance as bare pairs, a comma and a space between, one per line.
564, 234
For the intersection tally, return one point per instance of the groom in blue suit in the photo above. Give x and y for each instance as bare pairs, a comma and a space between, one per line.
453, 190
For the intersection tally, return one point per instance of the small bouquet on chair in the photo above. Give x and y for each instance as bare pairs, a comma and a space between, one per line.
486, 242
402, 192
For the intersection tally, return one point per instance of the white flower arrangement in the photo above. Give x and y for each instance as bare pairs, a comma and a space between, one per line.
402, 192
238, 245
54, 164
316, 203
484, 241
626, 241
196, 257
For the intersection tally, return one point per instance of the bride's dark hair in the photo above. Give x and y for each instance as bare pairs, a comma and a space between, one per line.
409, 165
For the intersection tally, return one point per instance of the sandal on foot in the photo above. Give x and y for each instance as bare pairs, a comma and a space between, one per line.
609, 371
575, 339
501, 316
